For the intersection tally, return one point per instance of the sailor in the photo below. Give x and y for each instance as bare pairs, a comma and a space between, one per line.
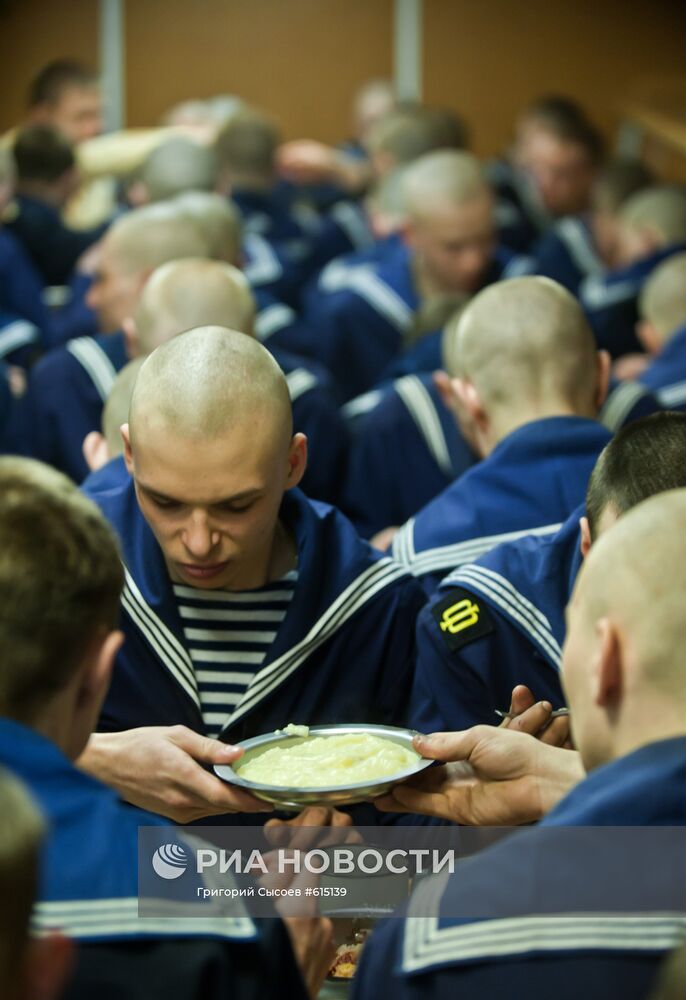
662, 331
363, 323
652, 228
246, 606
61, 569
500, 621
528, 388
67, 387
553, 901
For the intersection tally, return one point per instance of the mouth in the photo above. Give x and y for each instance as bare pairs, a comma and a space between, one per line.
196, 572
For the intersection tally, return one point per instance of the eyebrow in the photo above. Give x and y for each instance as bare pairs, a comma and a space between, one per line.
235, 498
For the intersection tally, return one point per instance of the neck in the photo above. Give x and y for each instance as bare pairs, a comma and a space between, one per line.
504, 423
252, 183
654, 720
56, 724
425, 285
41, 192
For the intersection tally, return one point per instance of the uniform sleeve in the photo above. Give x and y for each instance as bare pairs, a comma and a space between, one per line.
464, 675
202, 969
379, 968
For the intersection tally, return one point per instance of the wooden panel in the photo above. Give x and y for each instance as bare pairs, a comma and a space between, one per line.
300, 59
488, 59
32, 33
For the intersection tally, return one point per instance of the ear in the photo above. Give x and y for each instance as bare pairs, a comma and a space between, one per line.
648, 336
443, 384
128, 453
585, 539
297, 460
606, 668
131, 342
95, 450
603, 366
49, 962
137, 194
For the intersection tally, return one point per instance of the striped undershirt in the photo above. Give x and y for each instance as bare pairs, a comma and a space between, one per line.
228, 636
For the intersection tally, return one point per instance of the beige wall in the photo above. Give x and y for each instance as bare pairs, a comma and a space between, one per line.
487, 59
302, 59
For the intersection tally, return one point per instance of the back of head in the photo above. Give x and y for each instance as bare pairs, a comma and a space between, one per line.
147, 237
50, 83
618, 181
219, 221
60, 580
663, 297
246, 146
7, 168
178, 165
646, 457
643, 597
525, 343
410, 131
185, 294
659, 210
442, 178
21, 835
43, 154
116, 409
208, 382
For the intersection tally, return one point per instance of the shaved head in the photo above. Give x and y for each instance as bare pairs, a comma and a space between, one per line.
178, 165
116, 409
623, 656
663, 299
660, 210
147, 237
185, 294
209, 382
211, 448
443, 178
218, 221
525, 341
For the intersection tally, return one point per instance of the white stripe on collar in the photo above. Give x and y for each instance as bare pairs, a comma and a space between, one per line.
673, 395
171, 652
422, 409
619, 404
272, 319
18, 334
95, 362
578, 242
358, 593
300, 381
264, 266
500, 592
450, 557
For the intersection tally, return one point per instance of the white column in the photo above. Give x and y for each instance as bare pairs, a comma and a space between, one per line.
407, 50
112, 67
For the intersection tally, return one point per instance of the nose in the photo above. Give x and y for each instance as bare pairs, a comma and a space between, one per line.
198, 536
93, 297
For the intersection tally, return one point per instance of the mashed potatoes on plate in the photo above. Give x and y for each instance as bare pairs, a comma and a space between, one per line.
329, 762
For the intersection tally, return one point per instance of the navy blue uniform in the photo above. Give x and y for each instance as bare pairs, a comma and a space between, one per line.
362, 317
407, 446
535, 948
567, 254
406, 449
89, 890
611, 301
66, 392
345, 649
519, 215
665, 376
493, 624
52, 246
529, 483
